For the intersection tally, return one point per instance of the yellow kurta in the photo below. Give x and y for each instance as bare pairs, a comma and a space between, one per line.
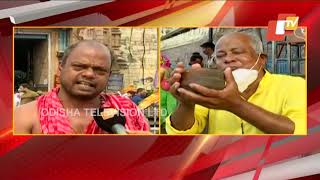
280, 94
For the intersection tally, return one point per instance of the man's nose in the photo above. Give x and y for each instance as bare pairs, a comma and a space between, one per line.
229, 59
89, 73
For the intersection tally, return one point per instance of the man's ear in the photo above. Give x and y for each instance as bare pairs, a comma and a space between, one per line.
263, 59
59, 68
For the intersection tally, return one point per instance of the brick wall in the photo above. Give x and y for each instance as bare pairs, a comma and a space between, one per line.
132, 41
128, 49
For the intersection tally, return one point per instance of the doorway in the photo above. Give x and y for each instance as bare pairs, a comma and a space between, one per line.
31, 60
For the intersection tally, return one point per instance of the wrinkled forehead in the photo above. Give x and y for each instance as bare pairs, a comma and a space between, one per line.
99, 53
234, 41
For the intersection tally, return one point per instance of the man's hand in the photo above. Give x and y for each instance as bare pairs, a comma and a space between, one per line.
183, 117
226, 99
230, 99
175, 84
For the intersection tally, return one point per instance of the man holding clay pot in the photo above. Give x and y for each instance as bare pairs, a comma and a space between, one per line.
243, 98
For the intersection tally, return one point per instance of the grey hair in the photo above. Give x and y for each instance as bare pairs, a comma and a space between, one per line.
255, 41
256, 44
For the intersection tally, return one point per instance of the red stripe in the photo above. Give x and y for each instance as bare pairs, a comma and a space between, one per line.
314, 95
123, 8
236, 167
228, 152
159, 14
264, 154
9, 142
301, 146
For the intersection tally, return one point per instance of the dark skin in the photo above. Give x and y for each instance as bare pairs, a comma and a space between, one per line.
83, 77
207, 51
197, 61
233, 51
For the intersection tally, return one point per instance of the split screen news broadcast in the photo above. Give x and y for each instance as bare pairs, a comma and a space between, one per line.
86, 80
163, 89
100, 80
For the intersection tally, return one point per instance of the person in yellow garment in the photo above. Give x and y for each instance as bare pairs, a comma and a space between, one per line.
254, 101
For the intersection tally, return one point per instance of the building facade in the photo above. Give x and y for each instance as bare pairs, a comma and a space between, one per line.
38, 52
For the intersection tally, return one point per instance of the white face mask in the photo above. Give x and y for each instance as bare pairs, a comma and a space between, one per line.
244, 77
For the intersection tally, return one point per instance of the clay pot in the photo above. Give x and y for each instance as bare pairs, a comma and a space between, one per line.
210, 78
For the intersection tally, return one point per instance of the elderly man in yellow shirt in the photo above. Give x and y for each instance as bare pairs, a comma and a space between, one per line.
253, 101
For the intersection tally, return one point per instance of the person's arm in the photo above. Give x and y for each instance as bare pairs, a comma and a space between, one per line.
183, 117
295, 105
229, 99
23, 118
186, 119
264, 120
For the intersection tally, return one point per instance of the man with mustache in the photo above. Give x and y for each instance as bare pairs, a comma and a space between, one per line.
84, 73
253, 101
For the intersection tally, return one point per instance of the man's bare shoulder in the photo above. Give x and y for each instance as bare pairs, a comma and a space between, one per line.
25, 117
28, 108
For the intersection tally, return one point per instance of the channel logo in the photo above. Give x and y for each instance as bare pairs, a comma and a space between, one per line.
286, 24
